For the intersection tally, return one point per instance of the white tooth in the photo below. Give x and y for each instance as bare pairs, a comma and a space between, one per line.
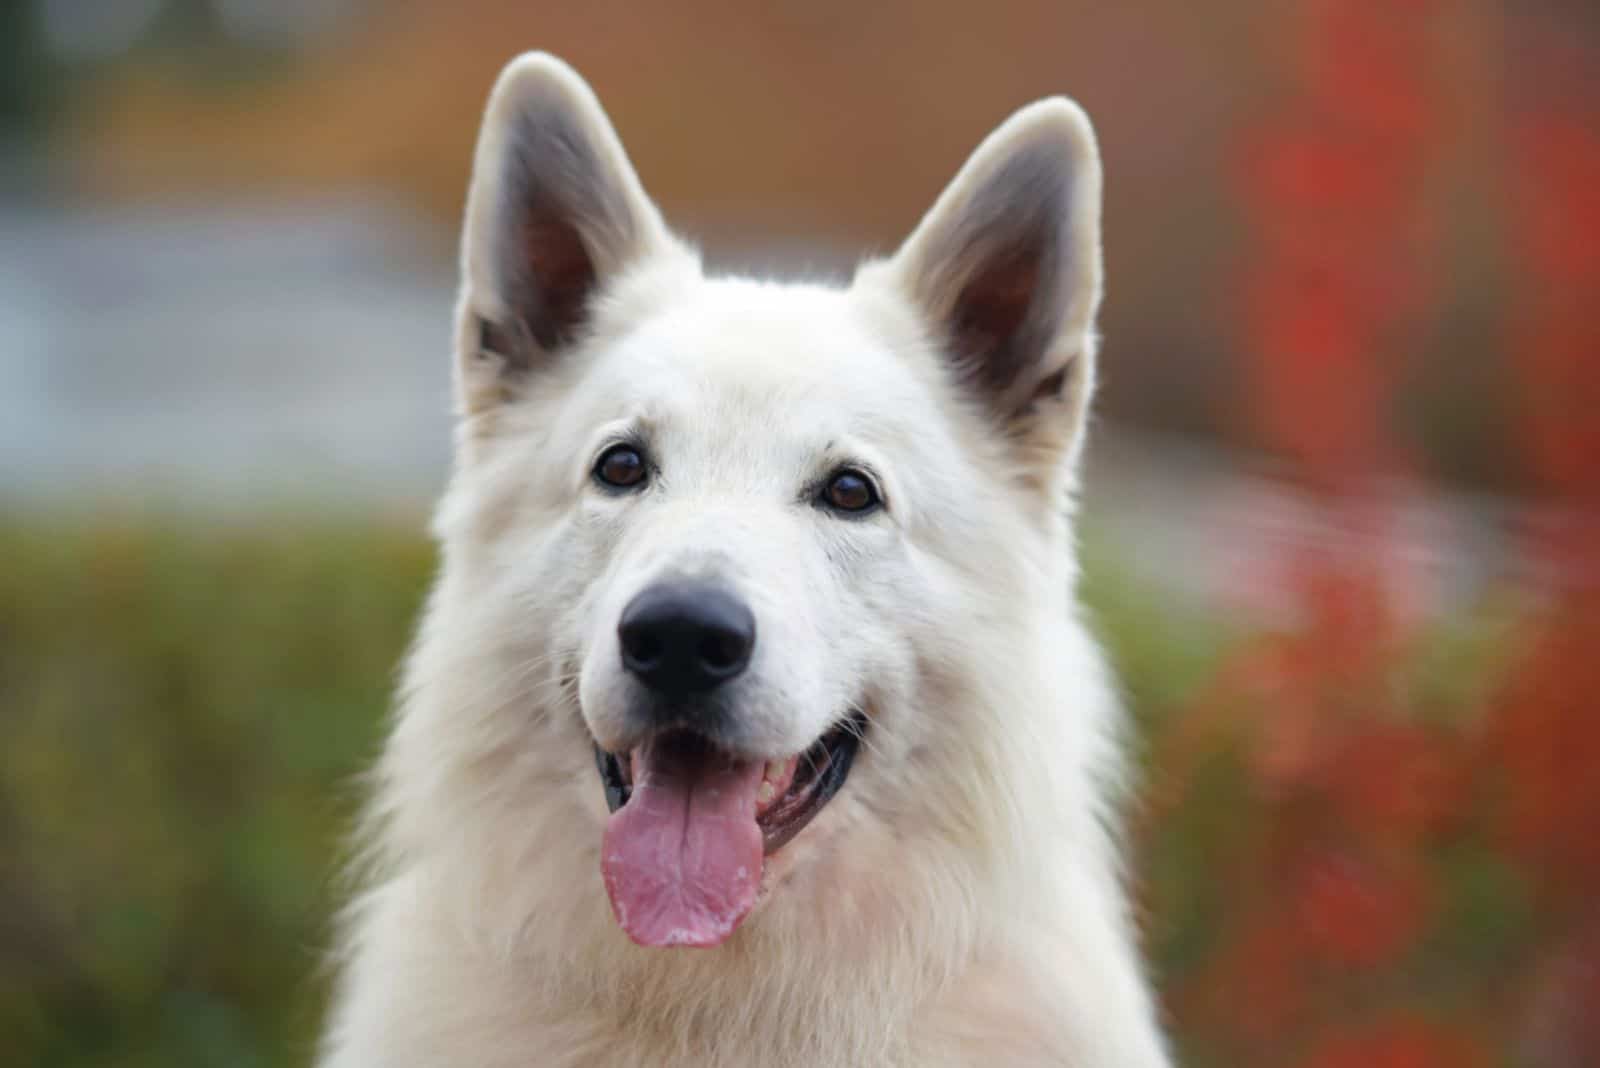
775, 769
766, 793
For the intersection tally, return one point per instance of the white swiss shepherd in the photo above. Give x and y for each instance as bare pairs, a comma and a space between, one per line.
752, 721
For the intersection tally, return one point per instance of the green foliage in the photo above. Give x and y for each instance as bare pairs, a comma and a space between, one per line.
183, 716
184, 713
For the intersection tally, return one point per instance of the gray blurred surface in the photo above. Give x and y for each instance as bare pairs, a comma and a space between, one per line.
230, 357
217, 355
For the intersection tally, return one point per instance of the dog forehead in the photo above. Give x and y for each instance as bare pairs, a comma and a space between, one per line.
743, 350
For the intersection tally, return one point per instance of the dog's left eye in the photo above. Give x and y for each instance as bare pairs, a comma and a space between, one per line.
851, 492
620, 467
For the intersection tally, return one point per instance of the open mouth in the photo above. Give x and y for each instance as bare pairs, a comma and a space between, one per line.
691, 824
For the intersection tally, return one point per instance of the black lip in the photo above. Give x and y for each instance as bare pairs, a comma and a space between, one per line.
821, 773
618, 788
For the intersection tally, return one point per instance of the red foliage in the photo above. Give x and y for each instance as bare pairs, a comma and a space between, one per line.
1396, 782
1333, 190
1340, 900
1405, 1042
1355, 912
1546, 740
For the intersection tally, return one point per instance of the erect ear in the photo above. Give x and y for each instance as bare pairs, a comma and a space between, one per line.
1005, 269
554, 213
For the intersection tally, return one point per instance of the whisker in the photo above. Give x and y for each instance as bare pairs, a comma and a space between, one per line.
858, 731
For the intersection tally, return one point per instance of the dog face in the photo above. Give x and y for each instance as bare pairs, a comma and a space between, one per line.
742, 518
727, 534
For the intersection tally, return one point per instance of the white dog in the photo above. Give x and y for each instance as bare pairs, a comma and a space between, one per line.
755, 638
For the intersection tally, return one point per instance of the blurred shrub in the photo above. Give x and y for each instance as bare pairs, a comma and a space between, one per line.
185, 711
182, 714
1412, 878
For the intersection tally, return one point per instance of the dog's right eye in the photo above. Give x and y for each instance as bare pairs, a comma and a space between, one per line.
620, 467
849, 492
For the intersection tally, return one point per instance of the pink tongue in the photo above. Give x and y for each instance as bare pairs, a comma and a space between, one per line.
682, 859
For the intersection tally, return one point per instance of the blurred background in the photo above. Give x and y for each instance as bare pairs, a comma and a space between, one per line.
1342, 512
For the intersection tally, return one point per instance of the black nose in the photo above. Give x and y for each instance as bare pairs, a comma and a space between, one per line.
681, 639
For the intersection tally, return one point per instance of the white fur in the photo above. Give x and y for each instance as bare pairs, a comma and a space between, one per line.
959, 902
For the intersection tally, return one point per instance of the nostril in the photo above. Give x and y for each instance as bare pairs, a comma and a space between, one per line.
723, 651
642, 646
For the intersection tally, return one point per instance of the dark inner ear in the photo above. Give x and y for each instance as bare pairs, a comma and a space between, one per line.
559, 201
990, 323
559, 277
1005, 264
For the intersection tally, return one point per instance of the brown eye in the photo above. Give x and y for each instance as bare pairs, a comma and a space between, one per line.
850, 491
620, 467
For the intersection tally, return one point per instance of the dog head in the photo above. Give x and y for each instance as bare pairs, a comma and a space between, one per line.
739, 545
